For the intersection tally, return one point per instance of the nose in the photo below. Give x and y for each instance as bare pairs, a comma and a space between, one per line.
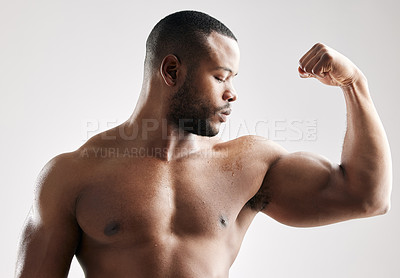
229, 94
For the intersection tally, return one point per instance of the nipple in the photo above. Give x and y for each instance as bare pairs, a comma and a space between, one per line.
112, 228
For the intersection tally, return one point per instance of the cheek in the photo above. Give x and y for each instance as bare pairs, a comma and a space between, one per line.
208, 90
212, 88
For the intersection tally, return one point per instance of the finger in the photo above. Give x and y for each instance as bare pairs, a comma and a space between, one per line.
304, 57
303, 74
323, 66
308, 67
303, 60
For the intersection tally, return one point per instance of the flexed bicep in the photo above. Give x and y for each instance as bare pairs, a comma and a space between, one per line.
306, 189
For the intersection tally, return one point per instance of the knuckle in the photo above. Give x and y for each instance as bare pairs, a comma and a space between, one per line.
327, 56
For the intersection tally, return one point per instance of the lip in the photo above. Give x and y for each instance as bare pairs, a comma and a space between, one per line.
223, 115
226, 112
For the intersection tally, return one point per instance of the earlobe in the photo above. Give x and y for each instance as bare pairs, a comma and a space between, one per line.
169, 69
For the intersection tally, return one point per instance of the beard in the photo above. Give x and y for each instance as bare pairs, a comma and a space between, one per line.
191, 111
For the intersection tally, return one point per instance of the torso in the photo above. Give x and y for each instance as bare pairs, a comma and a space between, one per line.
142, 216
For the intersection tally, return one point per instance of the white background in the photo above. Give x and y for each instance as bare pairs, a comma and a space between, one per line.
66, 63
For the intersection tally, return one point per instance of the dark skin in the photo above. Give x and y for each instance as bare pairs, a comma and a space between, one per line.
183, 211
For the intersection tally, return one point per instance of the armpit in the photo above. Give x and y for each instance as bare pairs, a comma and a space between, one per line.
260, 200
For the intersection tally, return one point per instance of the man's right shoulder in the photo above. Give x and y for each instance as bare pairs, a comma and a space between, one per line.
58, 185
71, 168
61, 169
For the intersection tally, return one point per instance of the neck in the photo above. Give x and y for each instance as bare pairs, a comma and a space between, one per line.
149, 128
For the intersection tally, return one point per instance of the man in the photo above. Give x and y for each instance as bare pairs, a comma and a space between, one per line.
159, 196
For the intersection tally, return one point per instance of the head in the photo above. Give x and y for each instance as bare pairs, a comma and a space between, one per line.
196, 57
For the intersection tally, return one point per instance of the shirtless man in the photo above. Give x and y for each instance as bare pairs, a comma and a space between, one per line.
159, 196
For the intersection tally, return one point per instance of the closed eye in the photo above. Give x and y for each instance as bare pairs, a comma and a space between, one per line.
219, 80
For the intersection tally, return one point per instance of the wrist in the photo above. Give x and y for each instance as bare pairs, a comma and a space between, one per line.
359, 84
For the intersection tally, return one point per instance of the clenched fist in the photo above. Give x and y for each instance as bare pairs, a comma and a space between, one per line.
328, 66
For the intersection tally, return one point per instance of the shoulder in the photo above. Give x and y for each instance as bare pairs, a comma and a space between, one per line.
253, 147
57, 185
250, 142
58, 168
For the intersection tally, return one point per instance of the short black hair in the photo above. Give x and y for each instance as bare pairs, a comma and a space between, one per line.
184, 35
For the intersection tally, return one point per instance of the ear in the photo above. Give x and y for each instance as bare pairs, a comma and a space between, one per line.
170, 67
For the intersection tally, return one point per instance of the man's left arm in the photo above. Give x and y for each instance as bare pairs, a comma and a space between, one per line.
306, 189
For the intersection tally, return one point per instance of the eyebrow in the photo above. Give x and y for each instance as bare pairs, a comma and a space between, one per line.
226, 69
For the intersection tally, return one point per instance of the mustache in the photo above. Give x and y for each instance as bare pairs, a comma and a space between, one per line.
226, 106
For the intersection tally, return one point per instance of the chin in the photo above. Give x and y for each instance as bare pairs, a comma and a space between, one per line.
213, 130
209, 133
201, 127
208, 130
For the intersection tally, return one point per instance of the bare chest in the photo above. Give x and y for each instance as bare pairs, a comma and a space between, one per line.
141, 202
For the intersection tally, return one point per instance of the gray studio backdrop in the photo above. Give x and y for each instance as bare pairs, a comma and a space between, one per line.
70, 69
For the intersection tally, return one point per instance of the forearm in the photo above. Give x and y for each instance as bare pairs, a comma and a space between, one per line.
366, 159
